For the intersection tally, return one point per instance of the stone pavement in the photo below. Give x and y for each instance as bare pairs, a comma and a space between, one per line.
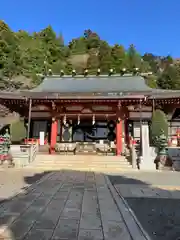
148, 184
68, 205
154, 197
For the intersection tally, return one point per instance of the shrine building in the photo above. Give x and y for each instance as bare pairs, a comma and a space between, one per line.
90, 109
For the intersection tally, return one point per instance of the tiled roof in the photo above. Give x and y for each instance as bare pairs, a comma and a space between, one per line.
101, 84
92, 87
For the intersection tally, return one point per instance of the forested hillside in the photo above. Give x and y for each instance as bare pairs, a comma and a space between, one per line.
24, 55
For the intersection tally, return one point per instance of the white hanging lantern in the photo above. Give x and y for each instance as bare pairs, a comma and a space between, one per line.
78, 119
53, 119
93, 120
64, 120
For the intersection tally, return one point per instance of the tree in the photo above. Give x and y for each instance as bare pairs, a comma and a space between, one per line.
93, 62
159, 137
166, 62
118, 54
25, 54
169, 78
92, 39
134, 59
151, 81
159, 125
68, 68
152, 61
105, 57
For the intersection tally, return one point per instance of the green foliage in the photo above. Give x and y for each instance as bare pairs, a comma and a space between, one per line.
68, 68
159, 125
151, 81
134, 59
93, 62
18, 131
118, 55
25, 54
170, 78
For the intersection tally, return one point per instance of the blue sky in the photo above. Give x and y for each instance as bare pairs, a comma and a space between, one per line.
151, 25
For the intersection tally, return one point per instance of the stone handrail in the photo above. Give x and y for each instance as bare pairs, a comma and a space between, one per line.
22, 155
33, 151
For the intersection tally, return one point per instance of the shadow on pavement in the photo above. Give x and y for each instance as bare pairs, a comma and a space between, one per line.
125, 180
156, 208
13, 208
35, 178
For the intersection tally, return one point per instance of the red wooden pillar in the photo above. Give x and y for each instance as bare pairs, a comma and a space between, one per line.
119, 137
54, 129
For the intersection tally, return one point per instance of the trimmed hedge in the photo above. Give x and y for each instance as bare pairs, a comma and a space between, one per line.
18, 131
159, 125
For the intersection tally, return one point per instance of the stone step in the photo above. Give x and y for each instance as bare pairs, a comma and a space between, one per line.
74, 162
60, 160
79, 167
94, 169
80, 161
72, 166
84, 165
78, 156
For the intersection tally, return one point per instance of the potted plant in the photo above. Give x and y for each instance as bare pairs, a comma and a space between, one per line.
159, 136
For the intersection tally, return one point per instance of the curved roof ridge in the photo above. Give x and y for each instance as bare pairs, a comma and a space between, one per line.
93, 84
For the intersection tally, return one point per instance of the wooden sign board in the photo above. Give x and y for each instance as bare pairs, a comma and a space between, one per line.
40, 108
138, 115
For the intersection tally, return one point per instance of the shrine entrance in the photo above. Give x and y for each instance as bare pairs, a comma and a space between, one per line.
86, 131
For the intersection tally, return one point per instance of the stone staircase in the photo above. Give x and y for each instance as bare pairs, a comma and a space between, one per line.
106, 164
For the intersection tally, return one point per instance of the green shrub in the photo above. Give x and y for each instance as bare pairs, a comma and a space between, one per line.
159, 126
18, 131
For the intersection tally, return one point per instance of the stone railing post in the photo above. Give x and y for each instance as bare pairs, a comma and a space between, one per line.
134, 155
31, 153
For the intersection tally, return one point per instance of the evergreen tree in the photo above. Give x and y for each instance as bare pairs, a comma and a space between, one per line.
159, 125
118, 57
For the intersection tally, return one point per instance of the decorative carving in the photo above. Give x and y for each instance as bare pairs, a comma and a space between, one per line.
74, 108
40, 108
102, 108
86, 110
53, 106
41, 114
137, 108
138, 115
119, 105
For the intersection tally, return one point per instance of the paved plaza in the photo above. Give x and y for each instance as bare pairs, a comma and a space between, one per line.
63, 205
84, 205
154, 197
